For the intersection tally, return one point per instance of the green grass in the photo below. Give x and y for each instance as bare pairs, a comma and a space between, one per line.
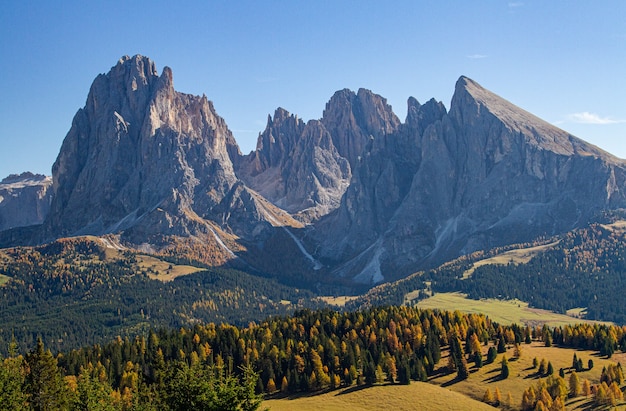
4, 279
416, 396
503, 312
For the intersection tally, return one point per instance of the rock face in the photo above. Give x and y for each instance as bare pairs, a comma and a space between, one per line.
485, 174
145, 160
354, 197
24, 200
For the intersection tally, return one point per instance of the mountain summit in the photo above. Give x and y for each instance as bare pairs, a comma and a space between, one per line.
354, 197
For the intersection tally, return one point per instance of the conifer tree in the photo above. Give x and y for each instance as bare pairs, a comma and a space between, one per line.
504, 369
12, 397
488, 396
575, 387
44, 384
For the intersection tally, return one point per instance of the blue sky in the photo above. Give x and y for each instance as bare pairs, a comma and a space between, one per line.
564, 61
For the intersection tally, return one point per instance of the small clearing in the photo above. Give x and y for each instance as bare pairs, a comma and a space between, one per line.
519, 256
4, 279
338, 301
162, 270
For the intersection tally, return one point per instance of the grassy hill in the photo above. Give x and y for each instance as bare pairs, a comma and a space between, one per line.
416, 396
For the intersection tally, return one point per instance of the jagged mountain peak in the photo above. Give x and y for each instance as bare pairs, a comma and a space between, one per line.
471, 100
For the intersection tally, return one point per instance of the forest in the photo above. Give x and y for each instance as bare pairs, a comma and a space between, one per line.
309, 351
73, 292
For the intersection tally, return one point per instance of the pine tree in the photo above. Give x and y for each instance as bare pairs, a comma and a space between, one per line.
44, 383
12, 397
504, 369
501, 345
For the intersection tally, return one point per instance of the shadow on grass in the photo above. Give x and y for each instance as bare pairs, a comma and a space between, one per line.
495, 378
453, 381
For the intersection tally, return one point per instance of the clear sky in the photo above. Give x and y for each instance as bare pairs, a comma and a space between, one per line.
564, 61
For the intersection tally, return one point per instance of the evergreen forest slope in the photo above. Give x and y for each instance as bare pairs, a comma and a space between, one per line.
82, 291
584, 268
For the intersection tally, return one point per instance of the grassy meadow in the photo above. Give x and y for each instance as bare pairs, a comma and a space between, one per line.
501, 311
416, 396
522, 374
517, 256
444, 392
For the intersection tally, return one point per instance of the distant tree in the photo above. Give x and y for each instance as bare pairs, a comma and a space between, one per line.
535, 363
586, 388
491, 355
271, 386
504, 368
545, 398
497, 397
488, 396
501, 345
590, 364
543, 367
478, 359
509, 400
575, 387
550, 368
404, 371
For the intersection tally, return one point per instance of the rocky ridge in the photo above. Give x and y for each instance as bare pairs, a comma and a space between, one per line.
24, 200
354, 197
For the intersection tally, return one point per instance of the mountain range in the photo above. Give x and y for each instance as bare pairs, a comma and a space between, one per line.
357, 197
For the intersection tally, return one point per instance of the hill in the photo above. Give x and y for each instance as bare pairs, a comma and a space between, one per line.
417, 396
80, 291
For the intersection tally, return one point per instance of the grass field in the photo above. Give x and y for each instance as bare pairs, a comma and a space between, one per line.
523, 375
501, 311
416, 396
162, 270
4, 279
519, 256
338, 301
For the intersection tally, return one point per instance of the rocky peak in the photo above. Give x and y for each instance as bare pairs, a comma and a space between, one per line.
419, 117
24, 199
352, 119
136, 146
276, 142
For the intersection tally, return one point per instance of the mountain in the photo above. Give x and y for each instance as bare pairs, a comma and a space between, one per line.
583, 269
24, 200
154, 164
484, 174
356, 197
